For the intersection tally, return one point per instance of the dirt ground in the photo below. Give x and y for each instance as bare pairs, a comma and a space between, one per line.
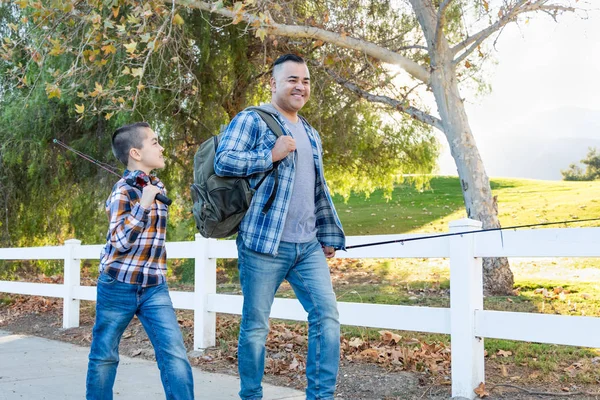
358, 379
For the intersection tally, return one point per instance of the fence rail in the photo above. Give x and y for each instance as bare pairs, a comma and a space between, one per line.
466, 320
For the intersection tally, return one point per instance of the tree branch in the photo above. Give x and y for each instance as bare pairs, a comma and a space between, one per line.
441, 21
308, 32
150, 51
395, 104
521, 7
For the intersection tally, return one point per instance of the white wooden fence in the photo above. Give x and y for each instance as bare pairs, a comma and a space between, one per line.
466, 320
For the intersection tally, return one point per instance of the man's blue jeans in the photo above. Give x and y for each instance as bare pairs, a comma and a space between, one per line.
304, 266
117, 303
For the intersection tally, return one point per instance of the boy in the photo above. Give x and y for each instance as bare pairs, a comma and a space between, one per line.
133, 269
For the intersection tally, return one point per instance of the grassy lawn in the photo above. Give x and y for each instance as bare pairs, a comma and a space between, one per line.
520, 202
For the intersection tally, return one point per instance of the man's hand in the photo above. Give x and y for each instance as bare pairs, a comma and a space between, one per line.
283, 146
149, 193
329, 251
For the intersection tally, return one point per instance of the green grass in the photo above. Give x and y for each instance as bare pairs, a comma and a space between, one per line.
520, 202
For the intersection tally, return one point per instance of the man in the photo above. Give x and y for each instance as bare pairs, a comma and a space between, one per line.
288, 236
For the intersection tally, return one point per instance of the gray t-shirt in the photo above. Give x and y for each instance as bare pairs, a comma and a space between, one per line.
301, 222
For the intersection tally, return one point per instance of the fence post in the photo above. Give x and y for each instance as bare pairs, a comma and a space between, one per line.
205, 283
466, 296
72, 275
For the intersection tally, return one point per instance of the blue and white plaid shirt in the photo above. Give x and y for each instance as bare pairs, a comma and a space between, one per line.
245, 151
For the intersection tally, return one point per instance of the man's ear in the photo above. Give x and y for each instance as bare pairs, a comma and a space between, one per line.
273, 84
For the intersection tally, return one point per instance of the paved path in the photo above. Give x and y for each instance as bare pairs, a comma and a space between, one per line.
33, 368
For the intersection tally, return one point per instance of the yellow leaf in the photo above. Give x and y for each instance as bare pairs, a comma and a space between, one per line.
22, 3
126, 71
136, 72
177, 20
56, 50
238, 18
109, 49
52, 91
115, 11
133, 19
98, 87
141, 87
131, 47
468, 64
79, 109
107, 116
261, 33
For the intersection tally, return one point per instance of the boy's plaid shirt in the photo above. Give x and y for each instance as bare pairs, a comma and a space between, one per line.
245, 150
135, 243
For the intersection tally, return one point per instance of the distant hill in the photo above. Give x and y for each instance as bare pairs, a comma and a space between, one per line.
538, 147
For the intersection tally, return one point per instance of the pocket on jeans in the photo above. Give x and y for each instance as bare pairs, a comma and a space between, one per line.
106, 279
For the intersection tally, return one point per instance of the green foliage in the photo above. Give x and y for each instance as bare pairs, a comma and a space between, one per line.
592, 169
68, 73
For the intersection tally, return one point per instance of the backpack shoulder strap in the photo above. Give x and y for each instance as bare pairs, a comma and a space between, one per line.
269, 120
278, 131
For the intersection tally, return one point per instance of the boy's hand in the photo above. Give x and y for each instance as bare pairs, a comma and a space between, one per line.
283, 146
149, 193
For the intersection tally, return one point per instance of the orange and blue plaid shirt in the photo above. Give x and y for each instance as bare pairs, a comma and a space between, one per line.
135, 243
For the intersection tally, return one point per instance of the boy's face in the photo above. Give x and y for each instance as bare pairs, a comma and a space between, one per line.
151, 153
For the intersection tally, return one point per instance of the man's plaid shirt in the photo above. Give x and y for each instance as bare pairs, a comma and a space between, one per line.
245, 150
135, 243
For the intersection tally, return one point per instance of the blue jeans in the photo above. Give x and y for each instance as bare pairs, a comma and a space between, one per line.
304, 266
116, 304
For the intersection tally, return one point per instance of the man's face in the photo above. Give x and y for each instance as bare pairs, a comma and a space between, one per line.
290, 86
151, 152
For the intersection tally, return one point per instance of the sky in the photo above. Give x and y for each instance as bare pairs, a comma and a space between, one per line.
541, 66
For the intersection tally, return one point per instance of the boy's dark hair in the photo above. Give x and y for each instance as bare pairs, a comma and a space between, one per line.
127, 137
288, 57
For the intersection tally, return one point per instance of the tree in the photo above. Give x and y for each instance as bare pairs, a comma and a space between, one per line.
76, 71
437, 44
592, 169
439, 53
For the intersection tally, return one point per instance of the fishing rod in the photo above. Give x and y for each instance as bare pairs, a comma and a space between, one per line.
138, 180
402, 241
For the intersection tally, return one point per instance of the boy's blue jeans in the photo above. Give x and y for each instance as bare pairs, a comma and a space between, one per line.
304, 266
117, 303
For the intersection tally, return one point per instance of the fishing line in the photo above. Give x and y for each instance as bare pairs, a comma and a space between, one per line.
402, 241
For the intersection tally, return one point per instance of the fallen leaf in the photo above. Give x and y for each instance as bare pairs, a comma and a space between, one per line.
503, 353
480, 391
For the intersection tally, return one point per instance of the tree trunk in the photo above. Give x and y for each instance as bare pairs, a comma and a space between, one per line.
475, 185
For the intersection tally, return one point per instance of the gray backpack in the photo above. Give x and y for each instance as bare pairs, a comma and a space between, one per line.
220, 203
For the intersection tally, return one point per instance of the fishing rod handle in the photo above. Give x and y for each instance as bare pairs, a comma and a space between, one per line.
160, 197
164, 199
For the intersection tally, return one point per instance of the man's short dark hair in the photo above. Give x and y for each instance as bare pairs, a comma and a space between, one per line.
126, 138
288, 57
